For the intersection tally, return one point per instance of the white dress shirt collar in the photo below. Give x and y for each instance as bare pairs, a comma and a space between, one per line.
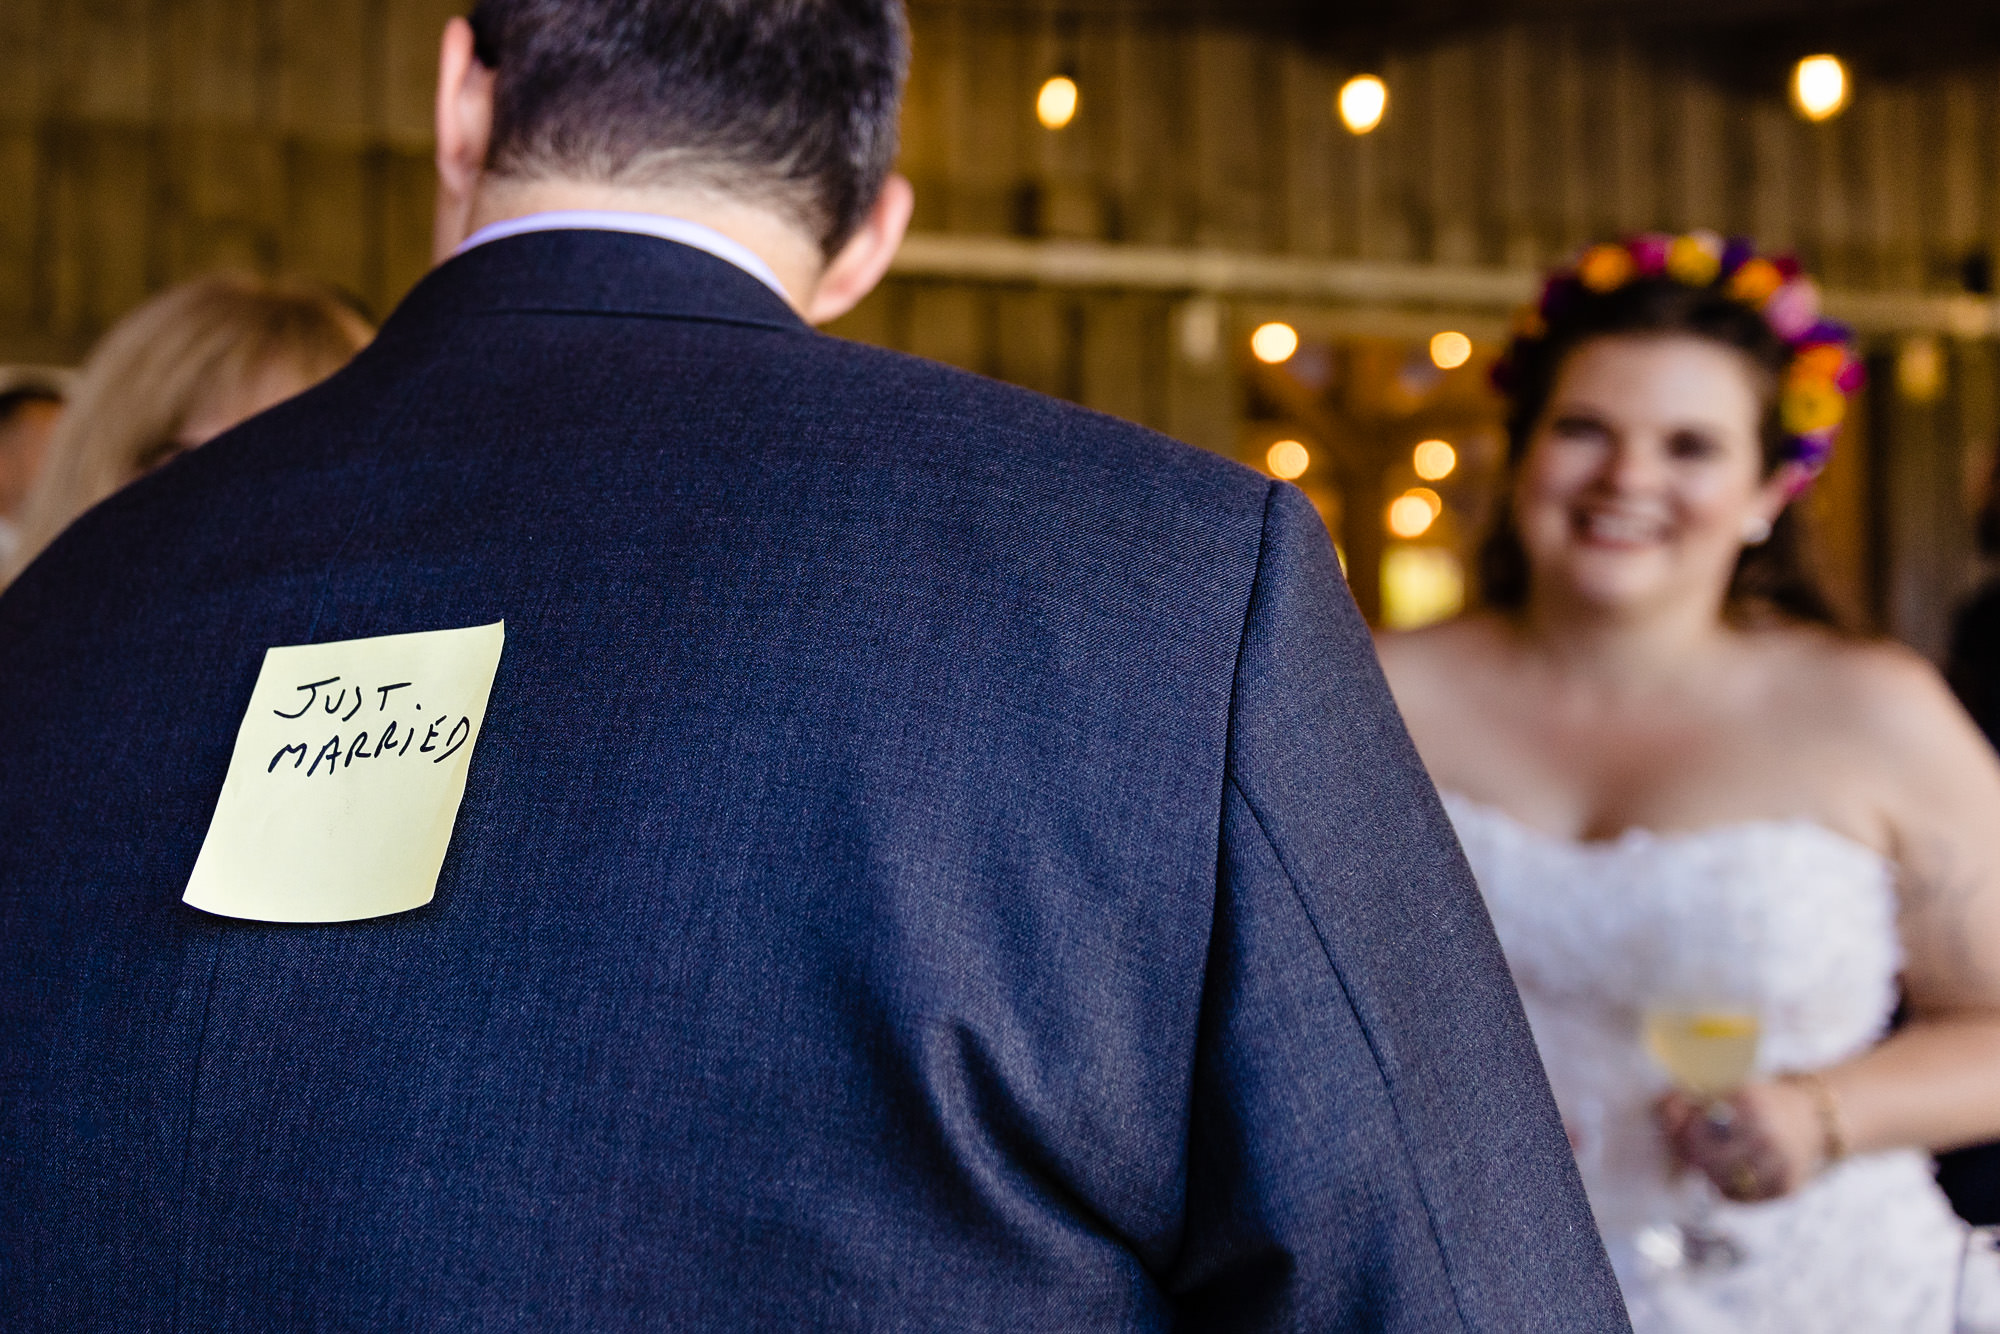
647, 224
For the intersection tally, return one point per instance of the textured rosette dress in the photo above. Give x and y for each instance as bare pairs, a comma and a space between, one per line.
1781, 917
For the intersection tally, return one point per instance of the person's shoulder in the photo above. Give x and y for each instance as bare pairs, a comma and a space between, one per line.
1430, 667
1890, 696
1443, 647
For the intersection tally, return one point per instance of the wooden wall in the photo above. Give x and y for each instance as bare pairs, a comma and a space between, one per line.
145, 140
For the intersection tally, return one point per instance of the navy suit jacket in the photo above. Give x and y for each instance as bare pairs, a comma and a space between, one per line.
937, 858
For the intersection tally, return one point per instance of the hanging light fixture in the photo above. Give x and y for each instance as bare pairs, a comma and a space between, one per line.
1362, 102
1819, 87
1055, 104
1450, 350
1274, 342
1287, 459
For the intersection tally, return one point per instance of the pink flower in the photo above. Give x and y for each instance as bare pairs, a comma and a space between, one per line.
1649, 253
1793, 308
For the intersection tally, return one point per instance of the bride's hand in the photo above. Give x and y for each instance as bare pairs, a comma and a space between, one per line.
1762, 1142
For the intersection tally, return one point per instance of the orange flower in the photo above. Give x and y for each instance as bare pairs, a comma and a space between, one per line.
1755, 281
1819, 362
1604, 268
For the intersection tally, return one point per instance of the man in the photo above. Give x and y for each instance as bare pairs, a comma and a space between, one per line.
933, 857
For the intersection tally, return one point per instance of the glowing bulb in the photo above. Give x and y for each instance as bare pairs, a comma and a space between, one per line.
1361, 103
1434, 460
1287, 459
1819, 87
1274, 342
1450, 349
1412, 513
1055, 105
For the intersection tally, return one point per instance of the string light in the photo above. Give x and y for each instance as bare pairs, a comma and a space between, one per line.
1274, 342
1287, 459
1362, 101
1412, 513
1434, 460
1450, 349
1819, 87
1055, 105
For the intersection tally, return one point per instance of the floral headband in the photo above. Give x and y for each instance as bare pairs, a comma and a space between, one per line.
1824, 370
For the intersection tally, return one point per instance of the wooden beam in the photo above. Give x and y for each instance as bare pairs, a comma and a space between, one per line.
1457, 289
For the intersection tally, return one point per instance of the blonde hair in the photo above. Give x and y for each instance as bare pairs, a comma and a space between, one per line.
190, 352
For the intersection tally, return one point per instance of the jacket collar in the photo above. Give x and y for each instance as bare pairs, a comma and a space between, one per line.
591, 272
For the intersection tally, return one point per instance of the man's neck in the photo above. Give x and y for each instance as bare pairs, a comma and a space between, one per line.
792, 255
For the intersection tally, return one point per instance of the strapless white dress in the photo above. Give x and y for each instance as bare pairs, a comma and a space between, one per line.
1786, 918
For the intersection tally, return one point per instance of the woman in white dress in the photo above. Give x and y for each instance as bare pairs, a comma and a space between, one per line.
1682, 790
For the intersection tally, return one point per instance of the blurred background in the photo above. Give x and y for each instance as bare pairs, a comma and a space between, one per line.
1291, 233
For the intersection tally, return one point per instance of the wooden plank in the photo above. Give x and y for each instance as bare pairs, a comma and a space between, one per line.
326, 199
1033, 341
929, 106
1384, 179
1517, 123
216, 68
20, 188
27, 41
106, 59
1567, 165
1151, 169
412, 32
870, 322
1634, 166
1953, 128
1307, 176
1697, 191
1774, 167
997, 111
331, 77
408, 198
1227, 94
1123, 335
948, 323
1455, 185
115, 200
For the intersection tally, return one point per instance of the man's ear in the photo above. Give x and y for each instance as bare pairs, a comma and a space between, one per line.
464, 131
860, 264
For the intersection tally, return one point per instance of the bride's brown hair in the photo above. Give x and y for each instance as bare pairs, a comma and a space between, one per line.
1775, 575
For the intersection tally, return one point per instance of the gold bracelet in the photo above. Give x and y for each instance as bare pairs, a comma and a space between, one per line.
1834, 1143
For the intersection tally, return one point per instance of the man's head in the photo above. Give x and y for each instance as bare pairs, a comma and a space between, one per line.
783, 108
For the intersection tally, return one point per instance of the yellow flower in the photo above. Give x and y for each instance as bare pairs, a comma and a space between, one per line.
1755, 281
1604, 268
1812, 405
1695, 259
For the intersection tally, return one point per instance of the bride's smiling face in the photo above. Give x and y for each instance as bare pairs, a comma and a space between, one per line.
1644, 475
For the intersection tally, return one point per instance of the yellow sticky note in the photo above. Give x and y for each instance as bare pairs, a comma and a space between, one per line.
346, 777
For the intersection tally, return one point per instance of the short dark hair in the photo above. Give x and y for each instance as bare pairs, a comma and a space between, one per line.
791, 102
1776, 573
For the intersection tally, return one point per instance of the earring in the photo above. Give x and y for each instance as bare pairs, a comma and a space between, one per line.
1756, 530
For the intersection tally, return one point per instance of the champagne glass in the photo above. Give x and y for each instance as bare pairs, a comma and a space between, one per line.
1978, 1308
1708, 1051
